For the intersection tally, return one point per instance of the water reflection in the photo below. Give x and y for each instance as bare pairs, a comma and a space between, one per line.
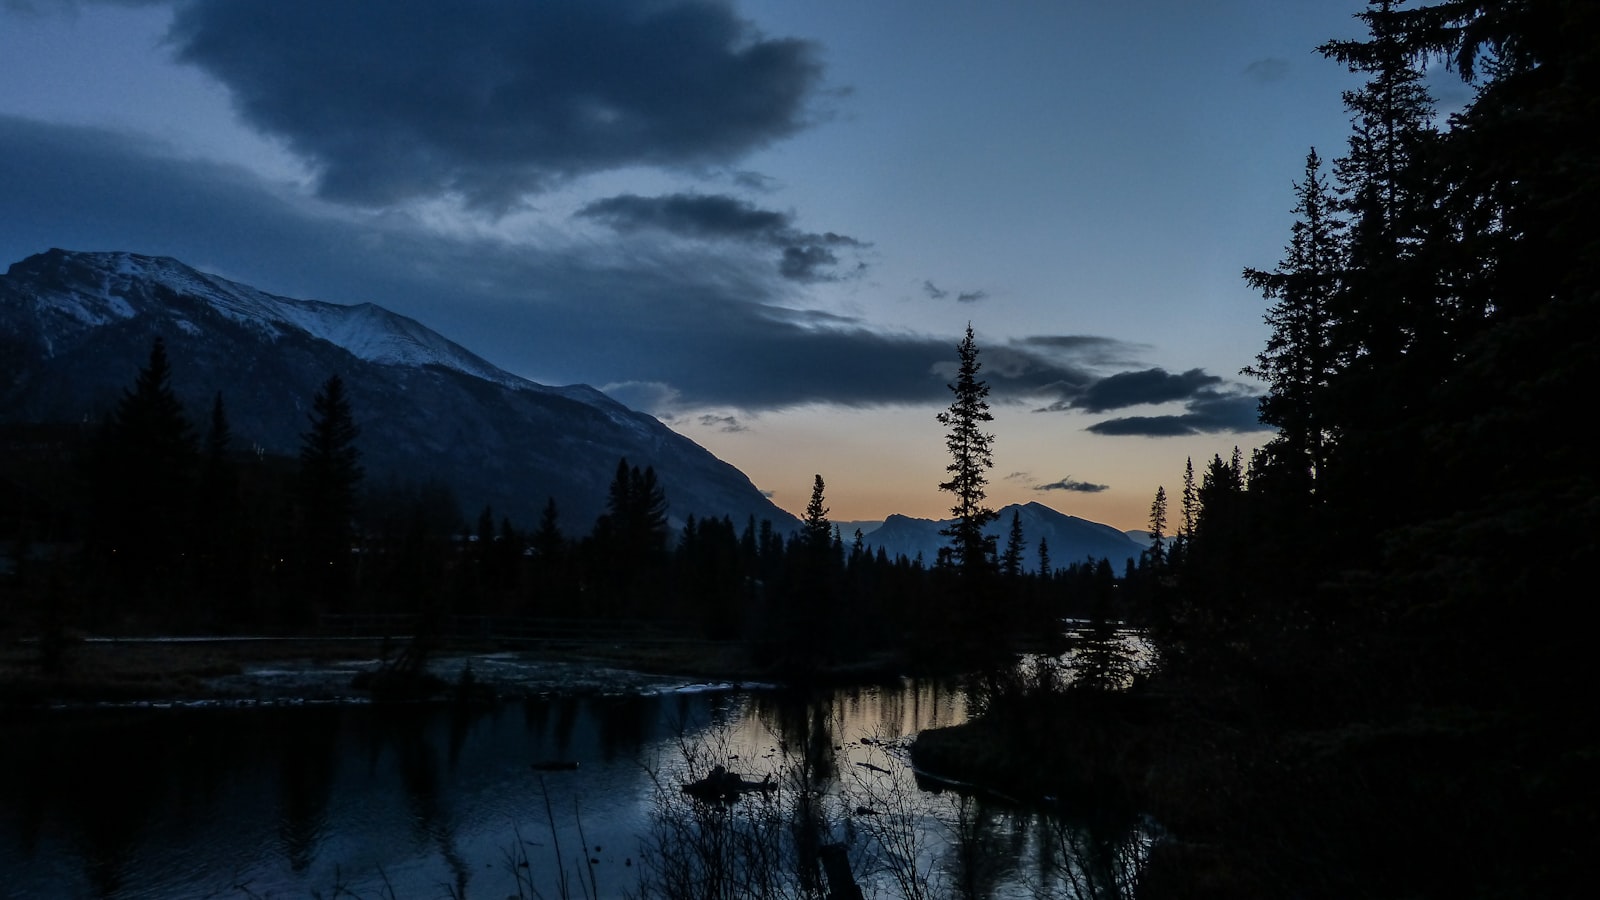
434, 801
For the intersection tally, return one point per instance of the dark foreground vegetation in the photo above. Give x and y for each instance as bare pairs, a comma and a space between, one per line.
1367, 635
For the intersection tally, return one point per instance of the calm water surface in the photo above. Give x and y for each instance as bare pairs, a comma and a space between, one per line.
440, 801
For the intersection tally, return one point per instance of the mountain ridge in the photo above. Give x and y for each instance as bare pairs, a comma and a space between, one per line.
1071, 539
76, 326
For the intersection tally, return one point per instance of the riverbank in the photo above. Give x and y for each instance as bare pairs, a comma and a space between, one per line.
1445, 800
291, 669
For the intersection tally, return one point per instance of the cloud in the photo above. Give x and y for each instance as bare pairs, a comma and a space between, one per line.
1265, 71
1208, 413
1126, 389
675, 326
1070, 484
725, 424
692, 215
802, 256
493, 100
1211, 405
680, 327
934, 292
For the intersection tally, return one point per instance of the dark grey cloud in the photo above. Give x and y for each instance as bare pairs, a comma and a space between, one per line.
494, 99
726, 424
709, 327
802, 256
1209, 412
1071, 484
934, 292
1267, 70
672, 326
1210, 404
693, 215
1126, 389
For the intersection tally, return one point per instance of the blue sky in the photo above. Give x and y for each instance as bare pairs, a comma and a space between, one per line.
765, 222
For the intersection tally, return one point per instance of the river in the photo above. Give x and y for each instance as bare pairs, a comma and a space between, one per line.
573, 794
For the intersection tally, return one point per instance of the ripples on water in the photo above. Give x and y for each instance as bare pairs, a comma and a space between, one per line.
435, 801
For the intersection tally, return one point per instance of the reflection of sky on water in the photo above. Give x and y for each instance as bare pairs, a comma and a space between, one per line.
286, 802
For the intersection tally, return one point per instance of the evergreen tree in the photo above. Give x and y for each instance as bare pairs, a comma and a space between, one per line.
816, 527
1158, 528
1298, 363
1190, 500
1388, 326
144, 481
971, 551
548, 541
221, 542
631, 537
1011, 559
330, 477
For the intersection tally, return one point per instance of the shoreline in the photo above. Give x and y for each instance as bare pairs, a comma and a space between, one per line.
242, 671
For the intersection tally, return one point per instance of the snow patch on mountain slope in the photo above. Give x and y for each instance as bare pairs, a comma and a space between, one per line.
367, 331
105, 283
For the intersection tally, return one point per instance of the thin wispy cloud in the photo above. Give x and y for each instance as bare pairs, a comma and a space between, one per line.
934, 292
1268, 70
1208, 413
1071, 484
725, 424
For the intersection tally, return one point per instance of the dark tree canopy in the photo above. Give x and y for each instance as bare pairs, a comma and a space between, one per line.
145, 475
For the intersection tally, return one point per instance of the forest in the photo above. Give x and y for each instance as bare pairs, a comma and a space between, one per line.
1366, 635
147, 524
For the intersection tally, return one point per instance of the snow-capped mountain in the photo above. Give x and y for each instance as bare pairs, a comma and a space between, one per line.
76, 327
1070, 538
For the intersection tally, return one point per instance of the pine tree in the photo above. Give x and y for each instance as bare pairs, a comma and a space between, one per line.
1389, 329
220, 538
631, 536
971, 551
144, 479
1190, 500
1158, 528
330, 476
1011, 559
816, 527
1298, 363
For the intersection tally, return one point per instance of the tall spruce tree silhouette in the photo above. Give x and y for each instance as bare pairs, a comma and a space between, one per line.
330, 476
1298, 362
971, 552
145, 468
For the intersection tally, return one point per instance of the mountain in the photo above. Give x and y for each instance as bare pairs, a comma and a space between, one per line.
1071, 539
76, 327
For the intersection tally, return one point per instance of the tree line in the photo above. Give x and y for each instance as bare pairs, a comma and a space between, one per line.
1391, 583
172, 527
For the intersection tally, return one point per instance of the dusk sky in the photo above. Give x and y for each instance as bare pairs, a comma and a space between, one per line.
767, 223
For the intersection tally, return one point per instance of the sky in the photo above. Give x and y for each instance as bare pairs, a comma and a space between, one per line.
767, 223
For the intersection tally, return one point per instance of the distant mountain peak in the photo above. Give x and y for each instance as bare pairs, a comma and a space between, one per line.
1071, 538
